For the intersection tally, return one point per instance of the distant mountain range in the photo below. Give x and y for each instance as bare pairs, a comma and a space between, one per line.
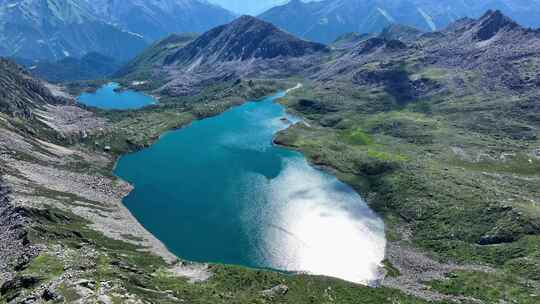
54, 29
326, 20
155, 19
249, 47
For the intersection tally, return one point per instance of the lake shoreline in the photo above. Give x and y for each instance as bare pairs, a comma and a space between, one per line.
275, 101
195, 271
112, 96
399, 255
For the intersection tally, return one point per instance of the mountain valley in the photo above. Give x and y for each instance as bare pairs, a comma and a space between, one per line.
437, 129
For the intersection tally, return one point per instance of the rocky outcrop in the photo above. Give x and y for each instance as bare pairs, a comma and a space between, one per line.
397, 82
276, 291
15, 249
378, 44
20, 94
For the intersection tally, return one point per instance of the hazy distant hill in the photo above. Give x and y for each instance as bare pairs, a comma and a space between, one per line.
155, 19
326, 20
54, 29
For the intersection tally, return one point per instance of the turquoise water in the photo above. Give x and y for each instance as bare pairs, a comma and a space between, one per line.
219, 191
106, 98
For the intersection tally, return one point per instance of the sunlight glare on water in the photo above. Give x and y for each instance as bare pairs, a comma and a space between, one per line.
320, 226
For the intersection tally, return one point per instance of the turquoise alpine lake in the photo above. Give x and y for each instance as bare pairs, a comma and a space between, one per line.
219, 191
107, 97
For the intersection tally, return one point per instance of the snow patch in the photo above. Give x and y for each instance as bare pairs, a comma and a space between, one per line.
138, 83
428, 19
135, 34
386, 15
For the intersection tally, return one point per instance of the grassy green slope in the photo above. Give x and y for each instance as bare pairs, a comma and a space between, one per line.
142, 66
455, 174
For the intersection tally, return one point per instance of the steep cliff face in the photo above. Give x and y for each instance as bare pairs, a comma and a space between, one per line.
20, 94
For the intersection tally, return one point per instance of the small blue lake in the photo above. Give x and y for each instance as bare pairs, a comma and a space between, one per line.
107, 97
220, 191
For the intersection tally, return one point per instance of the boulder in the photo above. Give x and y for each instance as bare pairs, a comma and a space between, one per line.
279, 290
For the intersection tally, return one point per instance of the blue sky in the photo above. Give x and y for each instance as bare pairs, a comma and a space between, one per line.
252, 7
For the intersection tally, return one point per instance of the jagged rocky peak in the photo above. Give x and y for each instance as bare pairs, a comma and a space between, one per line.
243, 39
491, 23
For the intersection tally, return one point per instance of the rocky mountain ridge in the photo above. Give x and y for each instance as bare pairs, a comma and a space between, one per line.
326, 20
